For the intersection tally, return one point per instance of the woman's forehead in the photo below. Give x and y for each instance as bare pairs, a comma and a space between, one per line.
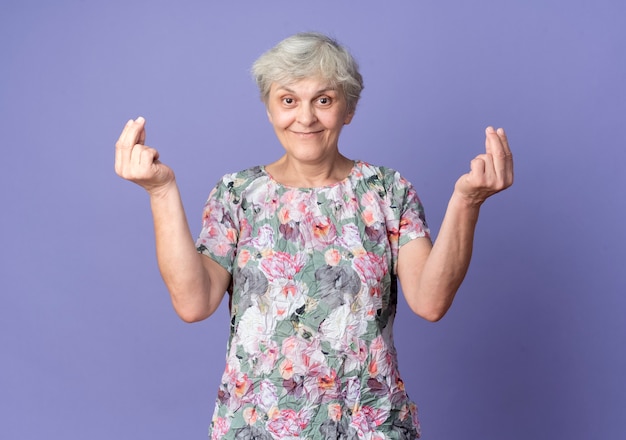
305, 85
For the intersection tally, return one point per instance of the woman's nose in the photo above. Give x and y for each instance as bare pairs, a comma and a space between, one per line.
306, 115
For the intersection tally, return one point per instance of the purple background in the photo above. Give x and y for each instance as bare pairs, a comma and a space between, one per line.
535, 344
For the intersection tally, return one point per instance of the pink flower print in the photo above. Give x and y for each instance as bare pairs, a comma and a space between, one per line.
294, 387
328, 386
371, 201
245, 229
334, 412
407, 223
243, 257
291, 231
356, 355
253, 328
352, 392
393, 235
288, 290
266, 357
313, 360
210, 212
322, 228
381, 360
281, 265
342, 327
288, 423
369, 216
295, 205
332, 257
217, 237
286, 369
376, 233
357, 173
292, 346
222, 248
350, 206
404, 412
376, 291
306, 357
327, 381
284, 215
414, 415
261, 203
378, 386
290, 197
287, 296
281, 310
367, 419
220, 427
351, 239
250, 415
378, 344
400, 384
318, 231
370, 266
242, 385
267, 396
397, 396
343, 204
371, 213
232, 370
270, 207
372, 367
263, 241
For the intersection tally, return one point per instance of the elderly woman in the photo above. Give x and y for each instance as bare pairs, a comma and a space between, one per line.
310, 248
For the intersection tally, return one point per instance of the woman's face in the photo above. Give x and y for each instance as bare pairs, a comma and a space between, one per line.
308, 116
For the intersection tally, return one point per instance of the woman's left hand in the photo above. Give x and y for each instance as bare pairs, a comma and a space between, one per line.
489, 173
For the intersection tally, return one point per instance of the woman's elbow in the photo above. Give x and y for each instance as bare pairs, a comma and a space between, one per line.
191, 311
430, 313
432, 316
191, 315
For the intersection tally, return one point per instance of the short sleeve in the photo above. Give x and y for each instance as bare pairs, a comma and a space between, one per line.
412, 218
219, 235
406, 219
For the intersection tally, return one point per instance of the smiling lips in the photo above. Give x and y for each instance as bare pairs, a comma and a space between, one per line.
306, 133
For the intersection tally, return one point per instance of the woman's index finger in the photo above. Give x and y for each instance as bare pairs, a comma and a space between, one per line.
496, 143
131, 133
504, 139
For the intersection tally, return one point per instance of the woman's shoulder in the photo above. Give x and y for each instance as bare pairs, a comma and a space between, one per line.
384, 175
239, 180
232, 185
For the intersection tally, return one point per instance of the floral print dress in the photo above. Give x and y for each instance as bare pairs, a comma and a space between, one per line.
313, 299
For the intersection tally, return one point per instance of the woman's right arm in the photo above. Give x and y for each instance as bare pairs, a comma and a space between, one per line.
196, 283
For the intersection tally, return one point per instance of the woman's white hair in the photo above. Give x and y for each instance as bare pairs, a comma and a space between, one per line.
307, 55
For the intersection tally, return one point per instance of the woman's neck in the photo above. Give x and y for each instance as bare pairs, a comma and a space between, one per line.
290, 172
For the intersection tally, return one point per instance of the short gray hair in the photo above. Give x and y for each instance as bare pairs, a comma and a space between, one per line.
307, 55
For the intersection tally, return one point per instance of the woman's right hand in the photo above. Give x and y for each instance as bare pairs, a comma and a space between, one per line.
139, 163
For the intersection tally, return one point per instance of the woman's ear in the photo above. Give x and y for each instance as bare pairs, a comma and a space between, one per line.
349, 117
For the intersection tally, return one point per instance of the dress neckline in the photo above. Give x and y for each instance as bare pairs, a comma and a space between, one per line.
352, 172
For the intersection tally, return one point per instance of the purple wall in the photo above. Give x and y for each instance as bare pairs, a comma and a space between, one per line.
534, 346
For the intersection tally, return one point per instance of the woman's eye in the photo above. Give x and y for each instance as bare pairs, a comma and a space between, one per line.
288, 101
324, 100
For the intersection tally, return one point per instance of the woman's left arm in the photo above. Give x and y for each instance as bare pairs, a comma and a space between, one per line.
431, 275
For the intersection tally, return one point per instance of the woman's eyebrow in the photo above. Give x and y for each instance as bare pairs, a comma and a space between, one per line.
319, 92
